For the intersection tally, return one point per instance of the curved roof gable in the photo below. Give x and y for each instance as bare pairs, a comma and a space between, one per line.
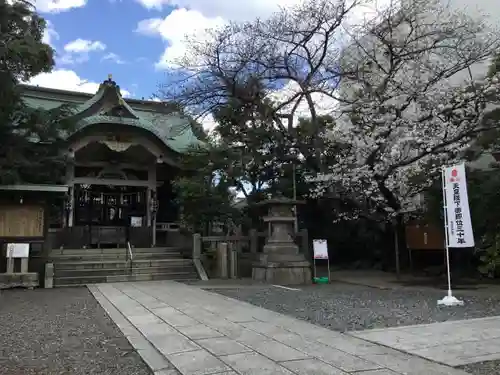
108, 106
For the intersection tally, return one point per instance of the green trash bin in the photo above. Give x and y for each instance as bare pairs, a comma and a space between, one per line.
321, 280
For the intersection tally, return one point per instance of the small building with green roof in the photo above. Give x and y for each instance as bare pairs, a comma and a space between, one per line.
121, 156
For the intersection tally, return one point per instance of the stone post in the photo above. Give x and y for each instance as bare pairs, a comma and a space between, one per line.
222, 255
304, 243
196, 246
233, 261
49, 275
254, 241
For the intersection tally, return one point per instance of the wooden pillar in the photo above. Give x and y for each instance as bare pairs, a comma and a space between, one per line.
70, 175
151, 217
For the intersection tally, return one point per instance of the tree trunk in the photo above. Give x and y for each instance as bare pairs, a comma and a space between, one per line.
399, 242
396, 249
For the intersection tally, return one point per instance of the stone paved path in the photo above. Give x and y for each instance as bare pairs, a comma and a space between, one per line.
454, 343
201, 333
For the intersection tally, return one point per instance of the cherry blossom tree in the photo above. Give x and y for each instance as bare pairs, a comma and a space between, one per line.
415, 94
284, 67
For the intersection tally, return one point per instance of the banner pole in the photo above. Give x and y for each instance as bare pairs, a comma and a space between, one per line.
449, 300
446, 240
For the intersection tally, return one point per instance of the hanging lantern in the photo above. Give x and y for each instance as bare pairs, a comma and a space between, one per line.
154, 205
67, 203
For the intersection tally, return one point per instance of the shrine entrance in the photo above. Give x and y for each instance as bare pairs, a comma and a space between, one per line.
101, 205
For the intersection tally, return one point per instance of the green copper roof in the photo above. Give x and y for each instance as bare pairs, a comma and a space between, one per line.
171, 128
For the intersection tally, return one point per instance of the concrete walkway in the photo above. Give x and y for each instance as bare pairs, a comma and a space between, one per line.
455, 343
201, 333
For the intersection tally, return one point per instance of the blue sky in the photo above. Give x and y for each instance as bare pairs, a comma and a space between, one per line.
135, 40
128, 55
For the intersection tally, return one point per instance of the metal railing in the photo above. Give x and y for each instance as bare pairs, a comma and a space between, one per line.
130, 256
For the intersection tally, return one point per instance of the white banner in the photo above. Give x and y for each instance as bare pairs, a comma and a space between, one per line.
456, 203
320, 248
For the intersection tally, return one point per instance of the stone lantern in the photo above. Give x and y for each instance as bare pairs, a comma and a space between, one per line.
281, 262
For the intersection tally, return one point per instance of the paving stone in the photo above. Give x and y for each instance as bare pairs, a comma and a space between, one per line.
410, 365
175, 318
166, 372
156, 329
277, 351
198, 362
142, 320
222, 346
134, 311
154, 359
254, 364
199, 331
245, 336
461, 353
221, 324
155, 304
383, 371
314, 367
453, 343
338, 358
138, 341
240, 316
353, 345
172, 343
266, 329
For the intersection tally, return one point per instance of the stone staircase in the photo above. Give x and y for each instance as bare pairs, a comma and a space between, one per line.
74, 267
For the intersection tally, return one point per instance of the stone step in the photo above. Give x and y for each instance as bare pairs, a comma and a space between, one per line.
121, 271
77, 280
110, 264
111, 256
121, 250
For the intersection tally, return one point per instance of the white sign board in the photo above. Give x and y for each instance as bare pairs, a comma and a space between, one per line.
320, 248
18, 250
459, 225
136, 221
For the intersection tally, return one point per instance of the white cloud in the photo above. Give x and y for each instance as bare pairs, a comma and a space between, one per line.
194, 17
57, 6
50, 34
78, 51
64, 79
229, 10
113, 57
83, 46
174, 28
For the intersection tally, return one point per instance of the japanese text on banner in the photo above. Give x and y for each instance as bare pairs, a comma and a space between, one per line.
459, 224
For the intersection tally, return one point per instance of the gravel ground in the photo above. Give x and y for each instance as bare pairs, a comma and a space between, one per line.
345, 307
61, 331
483, 368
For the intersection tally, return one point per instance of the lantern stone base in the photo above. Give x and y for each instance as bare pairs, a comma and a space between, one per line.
283, 269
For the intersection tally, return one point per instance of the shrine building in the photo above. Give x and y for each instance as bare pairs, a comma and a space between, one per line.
120, 158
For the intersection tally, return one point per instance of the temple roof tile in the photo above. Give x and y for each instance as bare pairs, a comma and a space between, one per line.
170, 127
